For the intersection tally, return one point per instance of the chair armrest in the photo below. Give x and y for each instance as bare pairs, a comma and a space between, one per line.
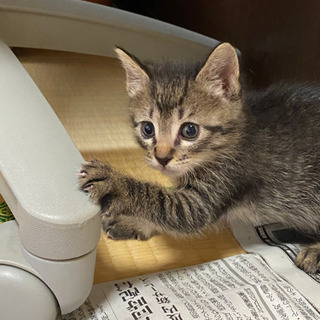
38, 166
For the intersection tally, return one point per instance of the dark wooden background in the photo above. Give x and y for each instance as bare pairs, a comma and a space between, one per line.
279, 39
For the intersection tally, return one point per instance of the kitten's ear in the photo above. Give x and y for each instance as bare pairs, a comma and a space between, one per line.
137, 78
220, 73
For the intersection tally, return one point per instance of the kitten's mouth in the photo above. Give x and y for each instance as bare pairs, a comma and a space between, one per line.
169, 171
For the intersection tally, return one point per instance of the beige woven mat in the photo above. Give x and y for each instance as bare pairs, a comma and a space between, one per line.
88, 95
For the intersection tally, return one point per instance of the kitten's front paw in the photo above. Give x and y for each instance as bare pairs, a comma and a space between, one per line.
97, 179
308, 258
125, 228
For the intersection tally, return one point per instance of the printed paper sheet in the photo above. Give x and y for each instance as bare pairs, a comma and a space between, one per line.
239, 287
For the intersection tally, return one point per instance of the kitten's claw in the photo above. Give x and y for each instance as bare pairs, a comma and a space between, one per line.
87, 188
105, 213
82, 174
109, 235
94, 178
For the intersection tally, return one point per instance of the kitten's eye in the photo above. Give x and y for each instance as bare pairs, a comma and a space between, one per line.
147, 129
189, 131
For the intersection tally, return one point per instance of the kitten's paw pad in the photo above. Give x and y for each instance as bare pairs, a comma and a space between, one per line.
119, 230
308, 258
116, 234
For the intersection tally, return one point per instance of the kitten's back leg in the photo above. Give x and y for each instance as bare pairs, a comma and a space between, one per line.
308, 258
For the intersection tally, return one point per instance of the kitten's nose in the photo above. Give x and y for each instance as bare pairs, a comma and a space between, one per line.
164, 161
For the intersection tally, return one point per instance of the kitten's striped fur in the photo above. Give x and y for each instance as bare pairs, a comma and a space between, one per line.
256, 155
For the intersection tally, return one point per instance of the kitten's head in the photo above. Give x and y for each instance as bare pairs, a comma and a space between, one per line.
185, 115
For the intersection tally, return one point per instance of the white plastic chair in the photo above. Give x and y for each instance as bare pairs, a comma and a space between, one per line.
47, 255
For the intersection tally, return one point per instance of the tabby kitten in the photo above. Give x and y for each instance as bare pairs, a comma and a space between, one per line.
253, 156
